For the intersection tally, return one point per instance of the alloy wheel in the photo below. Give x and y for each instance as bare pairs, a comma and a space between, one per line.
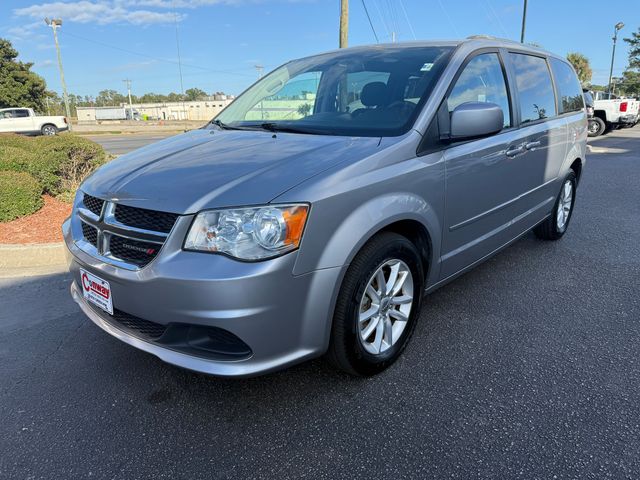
564, 205
385, 306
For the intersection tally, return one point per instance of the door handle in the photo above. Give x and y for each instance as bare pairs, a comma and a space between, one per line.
512, 152
532, 145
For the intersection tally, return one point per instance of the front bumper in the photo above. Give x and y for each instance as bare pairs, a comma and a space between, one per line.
283, 318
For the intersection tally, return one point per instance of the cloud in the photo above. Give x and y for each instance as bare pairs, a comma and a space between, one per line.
134, 12
44, 64
30, 30
101, 12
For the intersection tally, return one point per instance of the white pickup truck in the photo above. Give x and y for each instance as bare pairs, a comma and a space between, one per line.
612, 112
25, 121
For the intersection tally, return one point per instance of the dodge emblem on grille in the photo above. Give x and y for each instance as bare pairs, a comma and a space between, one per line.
148, 251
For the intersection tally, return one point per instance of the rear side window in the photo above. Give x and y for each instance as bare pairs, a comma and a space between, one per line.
21, 113
535, 90
481, 80
568, 86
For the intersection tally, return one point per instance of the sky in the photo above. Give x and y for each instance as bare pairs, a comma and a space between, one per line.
104, 42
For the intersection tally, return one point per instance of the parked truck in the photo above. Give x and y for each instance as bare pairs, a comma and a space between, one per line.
116, 113
26, 122
612, 112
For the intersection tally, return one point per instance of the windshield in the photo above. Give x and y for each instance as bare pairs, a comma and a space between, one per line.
372, 92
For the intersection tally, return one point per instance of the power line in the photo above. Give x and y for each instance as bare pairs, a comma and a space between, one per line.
449, 18
384, 22
504, 30
158, 59
408, 21
370, 22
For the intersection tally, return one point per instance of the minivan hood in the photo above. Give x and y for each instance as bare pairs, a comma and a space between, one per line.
212, 168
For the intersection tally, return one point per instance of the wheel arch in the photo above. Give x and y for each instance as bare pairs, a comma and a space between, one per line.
47, 124
402, 212
576, 166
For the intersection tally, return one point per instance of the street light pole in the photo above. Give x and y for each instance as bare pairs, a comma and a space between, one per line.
524, 21
616, 29
54, 24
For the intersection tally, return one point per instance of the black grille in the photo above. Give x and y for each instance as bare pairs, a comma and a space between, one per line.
146, 219
133, 251
93, 204
143, 328
207, 342
135, 325
90, 234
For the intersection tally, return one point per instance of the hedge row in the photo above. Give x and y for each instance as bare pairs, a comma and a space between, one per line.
20, 194
58, 163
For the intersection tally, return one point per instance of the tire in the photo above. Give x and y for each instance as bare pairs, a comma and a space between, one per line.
552, 228
596, 127
348, 350
49, 130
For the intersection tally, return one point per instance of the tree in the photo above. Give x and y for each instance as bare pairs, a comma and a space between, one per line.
304, 109
582, 66
630, 84
110, 98
175, 97
193, 94
634, 50
19, 86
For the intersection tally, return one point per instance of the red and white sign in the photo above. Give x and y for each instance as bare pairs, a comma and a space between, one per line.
96, 291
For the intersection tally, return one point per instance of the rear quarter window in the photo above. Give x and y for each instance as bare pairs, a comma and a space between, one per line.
568, 86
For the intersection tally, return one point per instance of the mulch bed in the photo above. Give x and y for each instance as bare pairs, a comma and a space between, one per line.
44, 226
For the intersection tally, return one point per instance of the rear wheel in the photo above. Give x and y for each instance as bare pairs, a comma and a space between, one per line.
378, 305
49, 130
555, 226
596, 127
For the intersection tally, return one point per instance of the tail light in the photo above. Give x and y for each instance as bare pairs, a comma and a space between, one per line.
623, 107
65, 120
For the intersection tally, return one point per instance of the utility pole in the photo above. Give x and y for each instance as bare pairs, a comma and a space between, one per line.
260, 69
618, 26
175, 21
524, 21
128, 82
54, 24
344, 23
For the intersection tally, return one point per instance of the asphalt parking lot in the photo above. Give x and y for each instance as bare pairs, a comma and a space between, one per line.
121, 144
527, 367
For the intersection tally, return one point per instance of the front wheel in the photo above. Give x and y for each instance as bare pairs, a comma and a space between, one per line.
555, 226
49, 130
378, 305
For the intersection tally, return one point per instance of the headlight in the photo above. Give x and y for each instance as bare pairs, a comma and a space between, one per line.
248, 233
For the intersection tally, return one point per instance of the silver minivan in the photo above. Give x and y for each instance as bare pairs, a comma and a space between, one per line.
311, 216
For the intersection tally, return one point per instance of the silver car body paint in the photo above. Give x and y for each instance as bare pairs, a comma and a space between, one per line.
471, 199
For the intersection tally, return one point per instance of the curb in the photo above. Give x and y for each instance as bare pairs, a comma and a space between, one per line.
32, 256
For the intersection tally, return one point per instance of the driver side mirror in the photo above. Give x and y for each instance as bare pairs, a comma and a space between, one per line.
475, 119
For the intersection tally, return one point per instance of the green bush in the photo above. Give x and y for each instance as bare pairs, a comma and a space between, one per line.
59, 162
20, 194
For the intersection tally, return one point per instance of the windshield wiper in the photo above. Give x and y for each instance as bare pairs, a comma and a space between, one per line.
226, 126
276, 127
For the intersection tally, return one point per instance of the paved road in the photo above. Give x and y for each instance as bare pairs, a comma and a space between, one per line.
527, 367
121, 144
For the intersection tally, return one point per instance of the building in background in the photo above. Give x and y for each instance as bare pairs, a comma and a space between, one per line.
165, 111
